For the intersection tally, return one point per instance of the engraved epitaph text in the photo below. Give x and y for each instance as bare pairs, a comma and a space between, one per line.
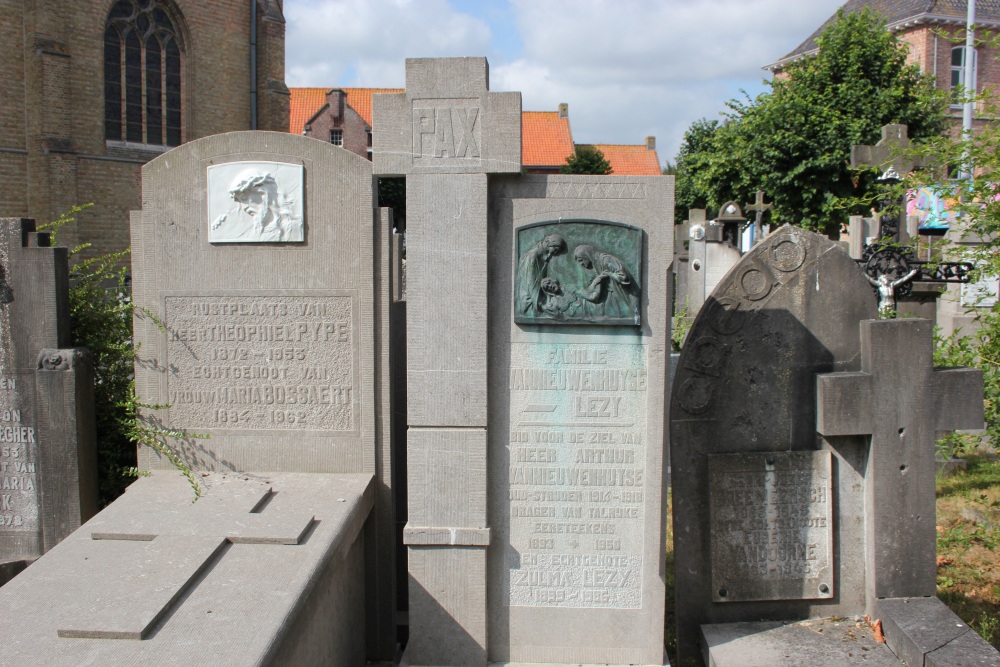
577, 476
771, 526
262, 363
18, 477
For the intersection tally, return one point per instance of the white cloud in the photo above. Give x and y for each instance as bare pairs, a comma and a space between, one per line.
632, 68
627, 68
365, 42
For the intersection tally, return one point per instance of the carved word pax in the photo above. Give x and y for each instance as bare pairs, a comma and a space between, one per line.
447, 131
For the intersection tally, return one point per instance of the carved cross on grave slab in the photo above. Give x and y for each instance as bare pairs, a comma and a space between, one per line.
155, 548
901, 401
758, 207
886, 154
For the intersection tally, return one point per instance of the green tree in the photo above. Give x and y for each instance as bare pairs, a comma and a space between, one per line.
976, 203
586, 160
794, 140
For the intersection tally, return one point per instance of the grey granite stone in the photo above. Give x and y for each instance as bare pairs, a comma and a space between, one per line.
823, 642
446, 133
576, 464
447, 122
900, 400
264, 569
745, 383
771, 526
48, 458
924, 631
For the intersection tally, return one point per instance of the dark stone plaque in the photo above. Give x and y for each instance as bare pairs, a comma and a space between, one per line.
578, 272
771, 526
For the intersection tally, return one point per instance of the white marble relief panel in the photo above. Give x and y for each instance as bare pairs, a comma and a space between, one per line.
255, 202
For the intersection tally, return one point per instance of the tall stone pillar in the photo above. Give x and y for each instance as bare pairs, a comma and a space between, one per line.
446, 134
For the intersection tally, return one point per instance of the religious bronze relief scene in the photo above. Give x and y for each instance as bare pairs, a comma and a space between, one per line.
578, 272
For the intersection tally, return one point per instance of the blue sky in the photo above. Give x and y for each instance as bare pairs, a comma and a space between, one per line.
627, 68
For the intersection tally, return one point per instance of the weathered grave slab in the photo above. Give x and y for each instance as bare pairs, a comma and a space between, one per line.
745, 384
771, 525
576, 467
924, 631
824, 642
48, 457
243, 575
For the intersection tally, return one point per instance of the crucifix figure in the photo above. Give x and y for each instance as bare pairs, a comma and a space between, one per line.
887, 292
759, 207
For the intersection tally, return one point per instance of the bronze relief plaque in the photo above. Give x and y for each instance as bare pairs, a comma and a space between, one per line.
578, 272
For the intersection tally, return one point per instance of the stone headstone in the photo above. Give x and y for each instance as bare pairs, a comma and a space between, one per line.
743, 443
48, 457
263, 339
576, 467
802, 431
275, 346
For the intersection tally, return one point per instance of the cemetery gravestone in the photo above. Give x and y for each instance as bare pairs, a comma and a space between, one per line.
579, 345
276, 341
799, 492
48, 462
582, 278
753, 486
446, 133
265, 271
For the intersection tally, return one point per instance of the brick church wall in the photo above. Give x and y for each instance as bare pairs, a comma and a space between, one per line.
53, 153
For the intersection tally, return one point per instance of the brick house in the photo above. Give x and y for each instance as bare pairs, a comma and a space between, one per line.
110, 84
934, 32
343, 116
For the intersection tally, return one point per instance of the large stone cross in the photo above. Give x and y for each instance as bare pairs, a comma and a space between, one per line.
446, 134
901, 401
157, 547
887, 155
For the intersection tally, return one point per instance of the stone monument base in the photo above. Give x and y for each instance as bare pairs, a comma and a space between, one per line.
823, 642
264, 569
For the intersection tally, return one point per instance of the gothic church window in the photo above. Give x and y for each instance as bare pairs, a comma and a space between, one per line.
143, 56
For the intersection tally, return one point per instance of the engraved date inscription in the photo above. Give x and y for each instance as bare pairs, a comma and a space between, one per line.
262, 363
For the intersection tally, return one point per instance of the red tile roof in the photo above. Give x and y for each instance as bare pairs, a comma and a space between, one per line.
546, 140
631, 160
360, 99
305, 102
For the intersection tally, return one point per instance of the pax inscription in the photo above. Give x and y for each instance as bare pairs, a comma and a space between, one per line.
444, 129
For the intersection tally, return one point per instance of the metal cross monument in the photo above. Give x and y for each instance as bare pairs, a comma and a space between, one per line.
758, 207
889, 268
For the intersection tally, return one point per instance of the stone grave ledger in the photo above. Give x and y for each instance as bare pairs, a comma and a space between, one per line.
48, 457
578, 350
265, 267
768, 523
